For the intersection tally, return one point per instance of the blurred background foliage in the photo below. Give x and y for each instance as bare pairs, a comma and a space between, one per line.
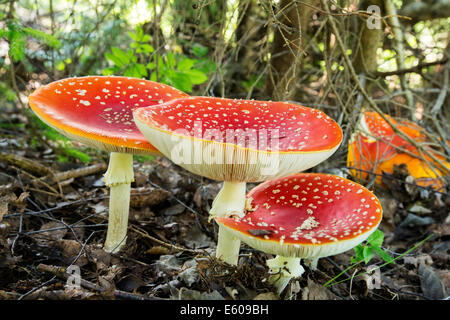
303, 51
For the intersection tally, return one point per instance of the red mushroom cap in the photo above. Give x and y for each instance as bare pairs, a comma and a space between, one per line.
97, 110
379, 127
245, 129
307, 216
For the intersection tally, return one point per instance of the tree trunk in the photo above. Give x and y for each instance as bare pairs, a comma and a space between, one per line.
365, 60
290, 25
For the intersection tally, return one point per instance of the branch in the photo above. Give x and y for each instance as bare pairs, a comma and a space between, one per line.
415, 69
424, 10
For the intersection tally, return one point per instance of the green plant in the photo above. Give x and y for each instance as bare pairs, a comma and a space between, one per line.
142, 158
16, 34
365, 251
355, 262
254, 81
140, 61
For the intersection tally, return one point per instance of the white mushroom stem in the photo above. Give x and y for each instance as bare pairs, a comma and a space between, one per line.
118, 177
230, 201
283, 269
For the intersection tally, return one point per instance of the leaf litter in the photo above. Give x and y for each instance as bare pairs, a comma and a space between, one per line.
47, 226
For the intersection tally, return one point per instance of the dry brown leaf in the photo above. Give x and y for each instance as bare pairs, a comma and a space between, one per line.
4, 202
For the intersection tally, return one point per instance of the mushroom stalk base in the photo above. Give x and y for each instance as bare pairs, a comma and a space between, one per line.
283, 269
118, 177
227, 247
230, 201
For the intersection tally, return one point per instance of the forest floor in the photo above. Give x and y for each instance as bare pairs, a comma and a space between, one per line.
53, 215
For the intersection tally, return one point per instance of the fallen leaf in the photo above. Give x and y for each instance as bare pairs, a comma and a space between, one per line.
147, 197
56, 231
314, 291
70, 249
418, 260
158, 250
431, 284
267, 296
4, 202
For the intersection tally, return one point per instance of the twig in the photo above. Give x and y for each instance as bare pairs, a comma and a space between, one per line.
60, 272
24, 163
415, 69
144, 234
74, 173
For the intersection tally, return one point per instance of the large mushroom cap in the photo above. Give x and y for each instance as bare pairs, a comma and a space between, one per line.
306, 216
97, 110
235, 140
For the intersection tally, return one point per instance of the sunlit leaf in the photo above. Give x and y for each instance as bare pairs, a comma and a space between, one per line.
196, 76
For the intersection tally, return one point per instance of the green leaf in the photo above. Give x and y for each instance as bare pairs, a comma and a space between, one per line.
181, 82
199, 51
145, 38
358, 253
147, 48
83, 157
383, 255
108, 71
139, 33
171, 60
185, 64
133, 36
4, 33
196, 76
131, 56
142, 70
114, 59
132, 71
122, 56
48, 39
376, 238
60, 65
153, 76
368, 254
17, 45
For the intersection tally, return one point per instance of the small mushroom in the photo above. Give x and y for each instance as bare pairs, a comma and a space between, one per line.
306, 216
238, 141
97, 111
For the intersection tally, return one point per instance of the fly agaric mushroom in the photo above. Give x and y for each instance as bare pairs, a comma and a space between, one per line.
238, 141
97, 111
304, 216
376, 148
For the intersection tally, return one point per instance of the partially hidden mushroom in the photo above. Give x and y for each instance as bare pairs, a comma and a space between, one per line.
238, 141
305, 216
97, 111
376, 148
